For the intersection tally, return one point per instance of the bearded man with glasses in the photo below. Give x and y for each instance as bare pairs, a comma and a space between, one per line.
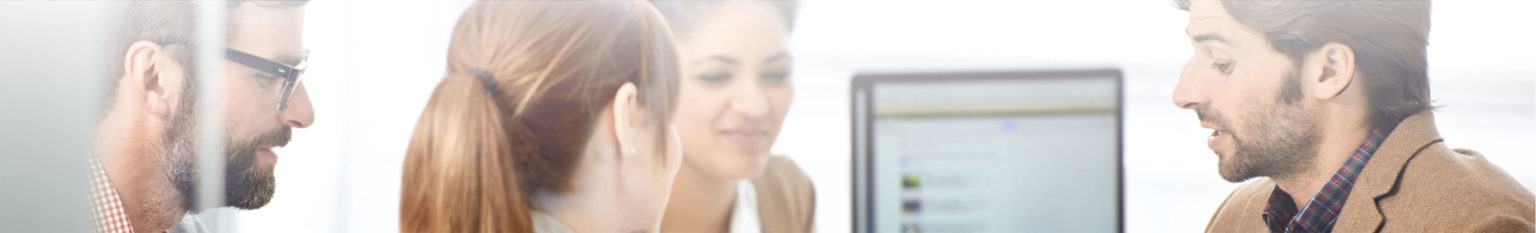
144, 175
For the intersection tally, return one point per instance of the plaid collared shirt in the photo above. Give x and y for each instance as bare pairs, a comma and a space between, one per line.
106, 205
1322, 210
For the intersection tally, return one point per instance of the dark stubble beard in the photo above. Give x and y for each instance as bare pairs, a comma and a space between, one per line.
246, 186
1279, 142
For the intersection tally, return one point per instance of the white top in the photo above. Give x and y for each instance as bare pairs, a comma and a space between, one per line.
543, 223
744, 216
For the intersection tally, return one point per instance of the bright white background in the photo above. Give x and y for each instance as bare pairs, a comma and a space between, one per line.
373, 64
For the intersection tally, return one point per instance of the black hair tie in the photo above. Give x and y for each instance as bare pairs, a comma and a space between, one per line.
487, 79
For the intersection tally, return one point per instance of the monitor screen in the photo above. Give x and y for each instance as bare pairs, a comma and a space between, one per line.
988, 152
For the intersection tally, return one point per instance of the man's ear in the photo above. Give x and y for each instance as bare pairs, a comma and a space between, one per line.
627, 119
1337, 62
152, 78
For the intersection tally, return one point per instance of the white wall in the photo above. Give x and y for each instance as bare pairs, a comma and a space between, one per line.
375, 62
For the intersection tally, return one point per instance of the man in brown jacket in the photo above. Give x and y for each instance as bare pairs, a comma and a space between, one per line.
1323, 108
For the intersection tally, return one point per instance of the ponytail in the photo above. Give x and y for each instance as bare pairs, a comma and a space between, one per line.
461, 170
473, 159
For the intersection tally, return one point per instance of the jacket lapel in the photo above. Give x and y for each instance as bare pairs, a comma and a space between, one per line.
1380, 176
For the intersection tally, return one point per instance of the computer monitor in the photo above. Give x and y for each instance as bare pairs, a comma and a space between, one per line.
1024, 151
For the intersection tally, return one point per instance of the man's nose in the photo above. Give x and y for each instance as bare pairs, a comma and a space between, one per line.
299, 113
1187, 94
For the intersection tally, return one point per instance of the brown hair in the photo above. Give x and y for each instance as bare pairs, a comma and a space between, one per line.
682, 15
478, 153
1388, 38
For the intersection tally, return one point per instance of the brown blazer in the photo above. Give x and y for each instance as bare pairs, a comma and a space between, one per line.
786, 202
1413, 183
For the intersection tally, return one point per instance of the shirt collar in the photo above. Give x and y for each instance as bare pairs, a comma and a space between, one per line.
106, 206
1322, 210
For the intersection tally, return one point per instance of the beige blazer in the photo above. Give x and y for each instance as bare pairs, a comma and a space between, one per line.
1413, 183
786, 202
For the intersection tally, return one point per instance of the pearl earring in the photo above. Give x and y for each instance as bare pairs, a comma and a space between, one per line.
632, 151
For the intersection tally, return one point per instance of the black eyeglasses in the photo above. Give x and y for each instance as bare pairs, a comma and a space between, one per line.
289, 74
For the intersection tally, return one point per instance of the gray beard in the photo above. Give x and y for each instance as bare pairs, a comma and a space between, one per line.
245, 185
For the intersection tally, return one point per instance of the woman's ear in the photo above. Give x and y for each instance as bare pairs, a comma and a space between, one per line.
1338, 70
627, 119
152, 79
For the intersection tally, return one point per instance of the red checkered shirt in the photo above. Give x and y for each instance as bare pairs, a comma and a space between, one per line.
106, 206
